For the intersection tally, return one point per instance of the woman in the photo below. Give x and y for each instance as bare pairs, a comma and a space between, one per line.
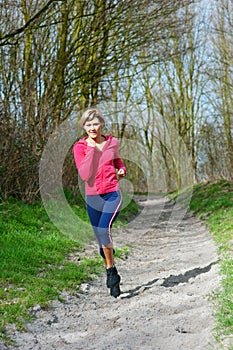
97, 158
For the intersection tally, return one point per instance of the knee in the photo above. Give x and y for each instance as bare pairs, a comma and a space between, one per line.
109, 245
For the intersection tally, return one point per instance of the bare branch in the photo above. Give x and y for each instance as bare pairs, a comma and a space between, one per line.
4, 39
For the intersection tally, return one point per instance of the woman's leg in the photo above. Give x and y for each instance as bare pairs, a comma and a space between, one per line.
109, 257
94, 205
109, 214
100, 218
110, 211
102, 211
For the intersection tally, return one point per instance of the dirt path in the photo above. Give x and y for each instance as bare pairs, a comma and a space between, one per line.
166, 283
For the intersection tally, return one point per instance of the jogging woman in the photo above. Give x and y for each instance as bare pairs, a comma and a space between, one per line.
97, 158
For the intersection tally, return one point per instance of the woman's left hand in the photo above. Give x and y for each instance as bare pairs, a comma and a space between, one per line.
121, 172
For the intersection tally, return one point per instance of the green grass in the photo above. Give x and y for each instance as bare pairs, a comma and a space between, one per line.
34, 268
213, 203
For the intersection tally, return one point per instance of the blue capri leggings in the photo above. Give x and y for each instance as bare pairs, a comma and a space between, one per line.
103, 210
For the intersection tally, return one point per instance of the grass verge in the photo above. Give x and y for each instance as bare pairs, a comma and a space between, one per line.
213, 203
34, 267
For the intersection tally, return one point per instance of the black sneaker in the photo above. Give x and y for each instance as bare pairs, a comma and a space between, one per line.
113, 281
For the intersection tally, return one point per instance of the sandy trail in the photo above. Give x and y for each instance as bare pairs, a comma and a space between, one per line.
167, 282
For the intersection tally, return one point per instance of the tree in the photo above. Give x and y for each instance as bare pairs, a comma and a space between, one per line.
221, 75
59, 56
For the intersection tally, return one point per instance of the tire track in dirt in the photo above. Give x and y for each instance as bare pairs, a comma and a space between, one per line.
167, 283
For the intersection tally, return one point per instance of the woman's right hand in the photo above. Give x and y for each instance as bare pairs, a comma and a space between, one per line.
90, 142
121, 172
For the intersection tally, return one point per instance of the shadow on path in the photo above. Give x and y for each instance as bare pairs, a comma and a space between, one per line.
173, 280
170, 281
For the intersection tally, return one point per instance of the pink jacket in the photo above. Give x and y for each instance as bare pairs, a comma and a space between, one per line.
97, 168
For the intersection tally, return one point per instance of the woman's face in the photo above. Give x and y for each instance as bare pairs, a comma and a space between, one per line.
93, 128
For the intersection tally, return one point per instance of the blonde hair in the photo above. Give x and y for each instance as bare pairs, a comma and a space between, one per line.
90, 114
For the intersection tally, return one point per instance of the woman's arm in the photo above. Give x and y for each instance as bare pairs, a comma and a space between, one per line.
118, 163
84, 160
